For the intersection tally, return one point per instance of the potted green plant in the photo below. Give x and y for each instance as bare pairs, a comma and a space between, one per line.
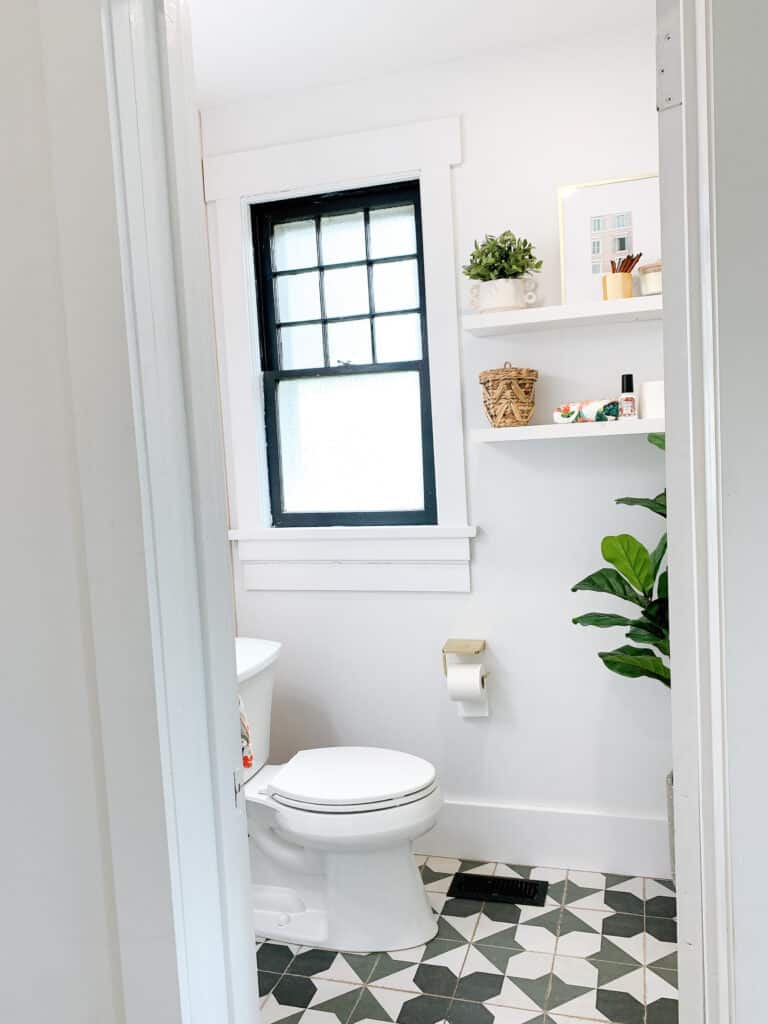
501, 267
636, 577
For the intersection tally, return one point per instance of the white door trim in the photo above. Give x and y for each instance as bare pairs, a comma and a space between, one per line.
695, 528
180, 454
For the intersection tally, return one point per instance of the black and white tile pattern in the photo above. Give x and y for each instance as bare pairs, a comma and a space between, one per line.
601, 951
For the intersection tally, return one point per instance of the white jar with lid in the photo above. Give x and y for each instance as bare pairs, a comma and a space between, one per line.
650, 278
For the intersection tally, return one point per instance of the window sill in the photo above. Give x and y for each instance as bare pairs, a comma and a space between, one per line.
361, 558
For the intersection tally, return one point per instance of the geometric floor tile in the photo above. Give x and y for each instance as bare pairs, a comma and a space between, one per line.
315, 1002
580, 932
661, 942
267, 982
661, 996
275, 956
432, 969
660, 898
474, 1013
382, 1004
595, 934
526, 983
458, 919
516, 927
602, 950
604, 992
325, 964
555, 1018
589, 890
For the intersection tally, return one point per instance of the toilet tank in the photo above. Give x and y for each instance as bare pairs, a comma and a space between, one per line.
255, 677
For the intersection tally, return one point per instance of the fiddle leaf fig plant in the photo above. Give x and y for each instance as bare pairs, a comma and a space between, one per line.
635, 577
501, 256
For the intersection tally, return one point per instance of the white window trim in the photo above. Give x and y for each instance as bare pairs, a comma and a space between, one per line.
390, 558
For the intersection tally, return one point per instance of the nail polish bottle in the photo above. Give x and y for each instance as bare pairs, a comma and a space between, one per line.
627, 398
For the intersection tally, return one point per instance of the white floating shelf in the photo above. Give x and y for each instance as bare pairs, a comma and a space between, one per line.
558, 431
583, 314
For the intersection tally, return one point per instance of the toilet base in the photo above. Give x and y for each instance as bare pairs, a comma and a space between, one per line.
361, 901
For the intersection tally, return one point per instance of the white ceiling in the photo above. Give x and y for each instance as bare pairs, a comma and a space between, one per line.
249, 48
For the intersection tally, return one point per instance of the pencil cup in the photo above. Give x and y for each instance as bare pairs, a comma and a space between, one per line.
617, 286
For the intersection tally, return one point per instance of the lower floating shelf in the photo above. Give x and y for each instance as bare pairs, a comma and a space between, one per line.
556, 431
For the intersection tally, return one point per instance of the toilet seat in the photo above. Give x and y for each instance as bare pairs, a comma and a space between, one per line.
351, 780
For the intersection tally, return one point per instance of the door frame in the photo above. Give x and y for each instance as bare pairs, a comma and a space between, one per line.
180, 456
155, 76
699, 733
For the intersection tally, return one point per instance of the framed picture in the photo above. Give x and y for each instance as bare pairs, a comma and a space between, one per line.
602, 221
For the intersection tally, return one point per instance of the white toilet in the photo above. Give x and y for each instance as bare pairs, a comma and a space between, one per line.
331, 833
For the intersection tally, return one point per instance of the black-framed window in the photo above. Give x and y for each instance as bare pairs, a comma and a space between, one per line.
342, 324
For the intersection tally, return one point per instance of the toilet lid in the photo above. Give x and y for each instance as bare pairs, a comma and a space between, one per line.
347, 776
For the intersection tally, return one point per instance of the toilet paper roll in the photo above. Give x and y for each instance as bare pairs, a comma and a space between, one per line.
466, 686
465, 682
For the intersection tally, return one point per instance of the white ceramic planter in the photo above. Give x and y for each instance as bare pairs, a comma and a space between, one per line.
506, 293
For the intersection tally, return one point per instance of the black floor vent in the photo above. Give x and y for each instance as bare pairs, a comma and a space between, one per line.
498, 890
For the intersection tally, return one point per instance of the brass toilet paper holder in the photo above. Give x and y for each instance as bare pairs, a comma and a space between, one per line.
455, 646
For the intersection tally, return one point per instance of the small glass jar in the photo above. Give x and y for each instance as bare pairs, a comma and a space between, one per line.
650, 278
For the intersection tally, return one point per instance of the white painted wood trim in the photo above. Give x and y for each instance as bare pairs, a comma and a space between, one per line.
177, 727
705, 933
383, 154
333, 533
448, 576
564, 431
542, 318
425, 151
583, 839
209, 506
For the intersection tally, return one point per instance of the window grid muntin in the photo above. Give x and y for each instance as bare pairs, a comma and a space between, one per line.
383, 197
382, 202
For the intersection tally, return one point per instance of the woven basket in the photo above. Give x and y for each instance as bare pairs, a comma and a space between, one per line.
509, 395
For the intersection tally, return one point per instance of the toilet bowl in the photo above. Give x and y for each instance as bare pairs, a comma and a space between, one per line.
331, 834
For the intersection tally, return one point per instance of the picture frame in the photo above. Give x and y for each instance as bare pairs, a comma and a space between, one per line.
604, 220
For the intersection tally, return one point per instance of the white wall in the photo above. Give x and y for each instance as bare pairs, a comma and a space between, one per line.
87, 909
59, 953
570, 767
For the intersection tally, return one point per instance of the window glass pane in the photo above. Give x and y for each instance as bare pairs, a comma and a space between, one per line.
342, 238
393, 232
346, 291
294, 245
301, 347
395, 286
398, 338
298, 297
349, 342
351, 443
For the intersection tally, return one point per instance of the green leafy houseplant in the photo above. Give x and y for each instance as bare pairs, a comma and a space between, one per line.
501, 256
636, 577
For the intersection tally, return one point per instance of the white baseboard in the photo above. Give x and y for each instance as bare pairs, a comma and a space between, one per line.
543, 836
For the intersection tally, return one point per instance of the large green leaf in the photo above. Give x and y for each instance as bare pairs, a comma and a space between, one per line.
631, 558
635, 662
662, 590
657, 504
660, 440
608, 581
603, 620
657, 555
644, 635
658, 612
